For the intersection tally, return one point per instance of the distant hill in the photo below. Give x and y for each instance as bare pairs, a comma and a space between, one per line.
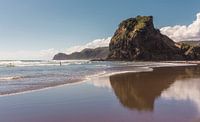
87, 54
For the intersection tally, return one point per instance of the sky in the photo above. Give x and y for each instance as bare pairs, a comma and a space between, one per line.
37, 29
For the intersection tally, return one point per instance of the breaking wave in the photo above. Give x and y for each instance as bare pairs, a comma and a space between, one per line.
23, 63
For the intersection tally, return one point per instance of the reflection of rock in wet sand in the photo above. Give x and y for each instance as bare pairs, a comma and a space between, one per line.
139, 90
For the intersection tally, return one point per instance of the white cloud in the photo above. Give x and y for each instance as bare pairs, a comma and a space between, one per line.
94, 44
183, 32
49, 53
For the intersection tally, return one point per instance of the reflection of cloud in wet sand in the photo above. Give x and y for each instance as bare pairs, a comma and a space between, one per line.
140, 90
102, 82
184, 90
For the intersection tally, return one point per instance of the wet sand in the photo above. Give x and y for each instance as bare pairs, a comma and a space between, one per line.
35, 87
169, 94
140, 90
184, 62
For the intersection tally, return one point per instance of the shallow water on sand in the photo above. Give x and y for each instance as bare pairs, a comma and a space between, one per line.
19, 76
170, 94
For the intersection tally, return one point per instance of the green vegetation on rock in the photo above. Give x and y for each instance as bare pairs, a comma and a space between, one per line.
142, 21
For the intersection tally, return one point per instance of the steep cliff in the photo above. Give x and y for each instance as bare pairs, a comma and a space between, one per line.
137, 39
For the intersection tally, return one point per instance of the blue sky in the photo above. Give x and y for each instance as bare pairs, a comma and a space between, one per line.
32, 25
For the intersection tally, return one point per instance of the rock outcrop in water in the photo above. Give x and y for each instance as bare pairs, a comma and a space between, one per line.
97, 53
137, 39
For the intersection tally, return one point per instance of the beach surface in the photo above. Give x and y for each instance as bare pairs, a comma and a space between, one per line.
167, 94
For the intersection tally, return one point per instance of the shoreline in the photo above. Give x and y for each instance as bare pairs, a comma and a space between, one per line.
87, 78
42, 89
184, 62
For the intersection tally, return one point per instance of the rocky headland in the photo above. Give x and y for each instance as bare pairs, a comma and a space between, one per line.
136, 39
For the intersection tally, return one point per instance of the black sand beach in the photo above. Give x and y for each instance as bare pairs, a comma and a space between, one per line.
129, 97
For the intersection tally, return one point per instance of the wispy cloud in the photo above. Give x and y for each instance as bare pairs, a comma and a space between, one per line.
184, 32
94, 44
49, 53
